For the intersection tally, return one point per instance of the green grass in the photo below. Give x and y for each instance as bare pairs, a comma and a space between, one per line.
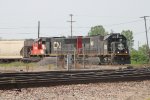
148, 99
16, 64
140, 65
138, 62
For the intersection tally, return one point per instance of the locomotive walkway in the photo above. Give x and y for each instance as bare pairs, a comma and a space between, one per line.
23, 79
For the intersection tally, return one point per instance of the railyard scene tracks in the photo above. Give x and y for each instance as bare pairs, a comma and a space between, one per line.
107, 84
73, 76
49, 79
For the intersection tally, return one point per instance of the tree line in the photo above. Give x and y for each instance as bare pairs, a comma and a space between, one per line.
139, 56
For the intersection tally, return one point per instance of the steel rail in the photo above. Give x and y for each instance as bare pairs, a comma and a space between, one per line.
71, 76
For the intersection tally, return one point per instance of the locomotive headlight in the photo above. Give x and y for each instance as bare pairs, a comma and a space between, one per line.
126, 51
117, 51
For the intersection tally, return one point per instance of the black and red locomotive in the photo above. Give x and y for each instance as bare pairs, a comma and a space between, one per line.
111, 49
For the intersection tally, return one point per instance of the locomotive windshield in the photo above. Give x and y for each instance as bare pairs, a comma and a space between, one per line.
117, 46
116, 42
120, 46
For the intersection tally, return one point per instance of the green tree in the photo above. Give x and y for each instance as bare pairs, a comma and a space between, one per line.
129, 35
139, 56
97, 30
143, 51
134, 56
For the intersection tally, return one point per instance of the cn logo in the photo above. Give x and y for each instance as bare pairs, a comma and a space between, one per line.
57, 45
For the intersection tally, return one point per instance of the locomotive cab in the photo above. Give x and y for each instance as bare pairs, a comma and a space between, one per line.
117, 52
38, 47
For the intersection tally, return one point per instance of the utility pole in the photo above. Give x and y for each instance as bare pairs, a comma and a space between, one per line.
38, 29
71, 21
144, 17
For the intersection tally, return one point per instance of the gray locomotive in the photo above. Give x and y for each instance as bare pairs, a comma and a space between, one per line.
110, 49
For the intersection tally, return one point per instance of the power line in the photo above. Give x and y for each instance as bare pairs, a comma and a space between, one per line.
99, 16
134, 21
48, 27
137, 33
148, 29
110, 25
9, 28
17, 33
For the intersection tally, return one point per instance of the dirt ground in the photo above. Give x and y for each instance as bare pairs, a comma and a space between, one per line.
93, 91
52, 67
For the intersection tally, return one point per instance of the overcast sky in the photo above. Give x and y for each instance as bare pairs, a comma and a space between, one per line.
18, 18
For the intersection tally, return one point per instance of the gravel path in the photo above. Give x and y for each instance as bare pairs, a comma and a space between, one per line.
54, 68
92, 91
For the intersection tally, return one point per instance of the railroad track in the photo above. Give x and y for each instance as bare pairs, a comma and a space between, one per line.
58, 77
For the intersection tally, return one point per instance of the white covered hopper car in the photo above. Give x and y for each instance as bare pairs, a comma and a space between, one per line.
15, 49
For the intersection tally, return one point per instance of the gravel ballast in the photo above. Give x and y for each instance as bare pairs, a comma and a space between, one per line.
93, 91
